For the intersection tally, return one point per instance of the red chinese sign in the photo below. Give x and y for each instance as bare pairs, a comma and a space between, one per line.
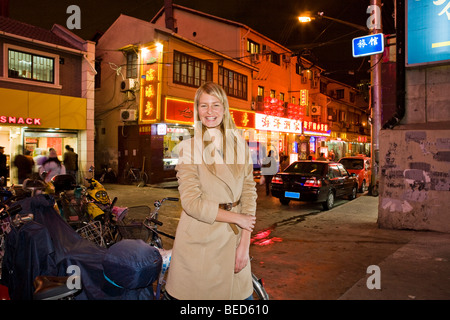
149, 85
179, 111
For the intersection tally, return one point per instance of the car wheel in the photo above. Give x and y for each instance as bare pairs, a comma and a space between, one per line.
285, 201
363, 186
327, 205
353, 194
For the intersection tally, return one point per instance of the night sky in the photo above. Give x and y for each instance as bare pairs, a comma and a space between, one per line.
327, 41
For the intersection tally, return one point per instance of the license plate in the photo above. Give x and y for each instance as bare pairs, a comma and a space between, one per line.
295, 195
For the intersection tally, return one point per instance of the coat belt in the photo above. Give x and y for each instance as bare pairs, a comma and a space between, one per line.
228, 206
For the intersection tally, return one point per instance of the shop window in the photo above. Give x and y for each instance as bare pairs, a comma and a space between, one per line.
191, 71
30, 66
234, 83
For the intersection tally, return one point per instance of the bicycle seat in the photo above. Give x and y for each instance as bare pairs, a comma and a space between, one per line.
51, 288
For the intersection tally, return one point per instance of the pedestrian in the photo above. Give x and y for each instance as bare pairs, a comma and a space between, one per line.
52, 166
210, 254
70, 160
269, 167
39, 158
3, 167
331, 155
24, 163
284, 162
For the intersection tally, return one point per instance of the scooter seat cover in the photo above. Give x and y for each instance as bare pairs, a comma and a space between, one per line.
132, 264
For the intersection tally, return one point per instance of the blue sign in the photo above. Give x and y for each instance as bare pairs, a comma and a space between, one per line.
368, 45
427, 32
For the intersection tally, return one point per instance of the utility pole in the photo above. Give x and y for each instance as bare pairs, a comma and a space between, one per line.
375, 26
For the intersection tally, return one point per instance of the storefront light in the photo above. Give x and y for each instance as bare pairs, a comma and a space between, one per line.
159, 46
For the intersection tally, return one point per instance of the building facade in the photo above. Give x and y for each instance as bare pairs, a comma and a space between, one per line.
286, 87
47, 92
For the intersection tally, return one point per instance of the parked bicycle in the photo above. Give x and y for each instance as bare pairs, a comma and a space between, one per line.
135, 176
131, 227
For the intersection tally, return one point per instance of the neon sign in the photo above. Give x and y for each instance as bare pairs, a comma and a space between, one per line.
150, 84
315, 128
20, 120
273, 123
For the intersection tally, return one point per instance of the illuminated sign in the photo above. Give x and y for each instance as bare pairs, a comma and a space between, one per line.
161, 129
273, 123
150, 87
179, 111
316, 129
368, 45
242, 118
20, 120
427, 31
304, 97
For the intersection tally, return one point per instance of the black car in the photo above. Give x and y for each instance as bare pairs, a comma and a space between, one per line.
314, 181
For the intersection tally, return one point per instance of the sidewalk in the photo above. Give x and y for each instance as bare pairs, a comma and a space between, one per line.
418, 270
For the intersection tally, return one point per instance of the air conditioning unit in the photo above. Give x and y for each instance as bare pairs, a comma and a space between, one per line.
256, 58
129, 84
286, 58
128, 115
315, 110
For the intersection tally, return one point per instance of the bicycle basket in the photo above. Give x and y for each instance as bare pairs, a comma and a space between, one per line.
131, 226
134, 230
92, 232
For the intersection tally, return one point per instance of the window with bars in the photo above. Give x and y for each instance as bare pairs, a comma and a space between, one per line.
234, 83
191, 71
30, 66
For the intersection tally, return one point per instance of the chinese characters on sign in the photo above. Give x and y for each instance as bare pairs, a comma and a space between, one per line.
368, 45
150, 83
314, 128
278, 124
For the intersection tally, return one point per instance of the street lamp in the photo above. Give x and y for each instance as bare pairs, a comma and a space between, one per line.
307, 18
374, 26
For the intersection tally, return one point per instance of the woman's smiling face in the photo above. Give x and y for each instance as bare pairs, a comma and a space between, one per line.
210, 110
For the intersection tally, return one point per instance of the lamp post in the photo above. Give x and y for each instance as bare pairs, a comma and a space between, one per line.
374, 26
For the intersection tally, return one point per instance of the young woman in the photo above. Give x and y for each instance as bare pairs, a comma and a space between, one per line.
210, 257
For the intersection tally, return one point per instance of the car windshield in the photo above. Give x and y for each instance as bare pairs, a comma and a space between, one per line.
352, 164
312, 168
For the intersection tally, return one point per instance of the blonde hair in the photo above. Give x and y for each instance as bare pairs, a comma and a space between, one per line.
227, 126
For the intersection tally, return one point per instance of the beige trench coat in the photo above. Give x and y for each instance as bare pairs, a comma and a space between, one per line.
203, 256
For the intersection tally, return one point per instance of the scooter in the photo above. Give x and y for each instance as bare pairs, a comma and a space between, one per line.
98, 203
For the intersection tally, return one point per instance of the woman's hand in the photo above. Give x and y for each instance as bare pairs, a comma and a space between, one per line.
242, 252
246, 222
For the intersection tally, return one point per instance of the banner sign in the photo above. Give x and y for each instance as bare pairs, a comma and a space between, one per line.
427, 32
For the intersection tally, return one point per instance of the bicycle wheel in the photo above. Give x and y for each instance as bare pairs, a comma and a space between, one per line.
259, 293
143, 179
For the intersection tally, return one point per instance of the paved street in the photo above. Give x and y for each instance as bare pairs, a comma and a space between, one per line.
305, 253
